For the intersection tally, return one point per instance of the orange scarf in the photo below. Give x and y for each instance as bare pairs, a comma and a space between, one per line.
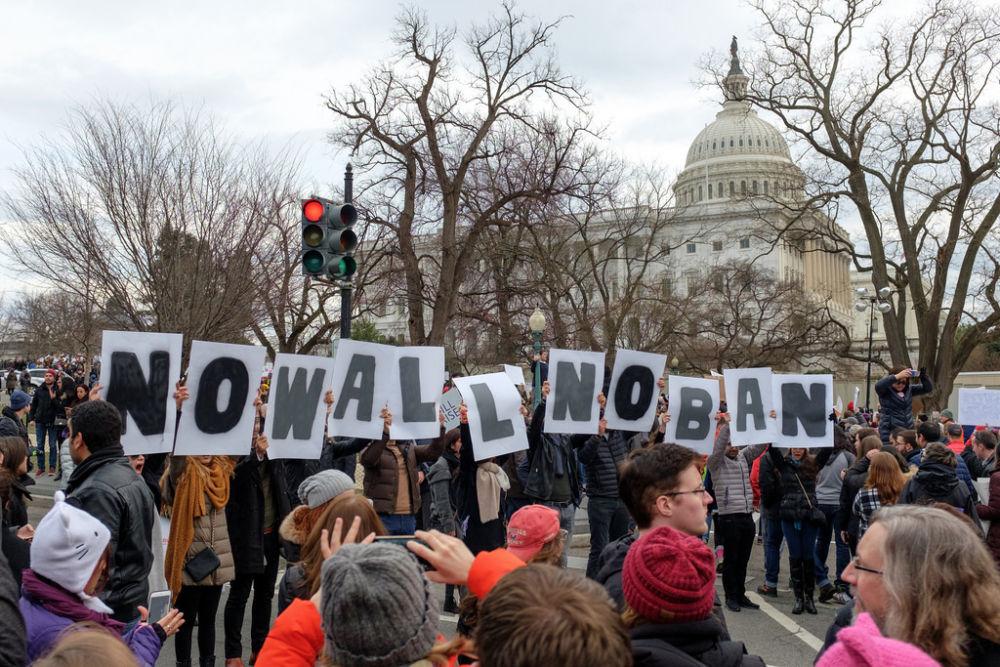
196, 483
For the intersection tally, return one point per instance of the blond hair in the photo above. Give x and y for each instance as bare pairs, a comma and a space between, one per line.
943, 585
86, 644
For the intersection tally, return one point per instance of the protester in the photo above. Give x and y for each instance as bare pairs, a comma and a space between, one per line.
769, 481
980, 454
800, 518
12, 418
862, 645
991, 512
302, 580
374, 608
730, 469
11, 381
104, 485
882, 488
85, 645
316, 492
908, 446
606, 513
936, 480
534, 535
258, 503
443, 478
12, 648
481, 485
829, 483
926, 579
928, 434
866, 440
669, 586
69, 561
661, 486
956, 438
46, 405
895, 395
15, 468
391, 477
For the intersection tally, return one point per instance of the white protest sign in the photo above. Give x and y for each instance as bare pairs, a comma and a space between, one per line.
495, 420
138, 373
748, 391
363, 378
978, 406
297, 413
693, 405
803, 404
515, 373
857, 392
219, 417
450, 404
633, 390
575, 380
415, 397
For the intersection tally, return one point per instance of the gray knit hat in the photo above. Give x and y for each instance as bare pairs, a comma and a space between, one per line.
376, 606
323, 487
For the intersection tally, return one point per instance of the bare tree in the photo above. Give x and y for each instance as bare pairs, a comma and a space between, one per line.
149, 213
453, 143
900, 125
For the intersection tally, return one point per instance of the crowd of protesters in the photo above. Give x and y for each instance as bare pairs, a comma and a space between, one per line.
915, 577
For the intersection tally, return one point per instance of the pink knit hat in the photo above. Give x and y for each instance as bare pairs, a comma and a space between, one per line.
669, 576
862, 645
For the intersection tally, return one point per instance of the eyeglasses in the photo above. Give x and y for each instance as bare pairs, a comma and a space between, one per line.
700, 490
861, 568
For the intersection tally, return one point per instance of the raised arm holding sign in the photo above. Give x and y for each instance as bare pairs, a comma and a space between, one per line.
803, 404
575, 380
693, 404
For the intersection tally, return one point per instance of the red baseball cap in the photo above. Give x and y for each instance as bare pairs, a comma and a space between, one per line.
530, 528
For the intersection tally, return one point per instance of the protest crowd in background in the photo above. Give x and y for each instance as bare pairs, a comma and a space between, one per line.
901, 497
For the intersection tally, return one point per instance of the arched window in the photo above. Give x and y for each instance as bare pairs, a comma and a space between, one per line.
753, 187
765, 187
700, 193
758, 142
730, 142
743, 188
721, 191
709, 190
732, 189
741, 141
713, 145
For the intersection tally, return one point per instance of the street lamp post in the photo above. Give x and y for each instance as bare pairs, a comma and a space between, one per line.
881, 301
536, 323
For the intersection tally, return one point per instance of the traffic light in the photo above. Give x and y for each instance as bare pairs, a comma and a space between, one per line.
327, 239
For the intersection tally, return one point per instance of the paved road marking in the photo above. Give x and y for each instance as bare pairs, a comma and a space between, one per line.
810, 640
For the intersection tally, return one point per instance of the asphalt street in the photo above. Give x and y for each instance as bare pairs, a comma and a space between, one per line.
773, 633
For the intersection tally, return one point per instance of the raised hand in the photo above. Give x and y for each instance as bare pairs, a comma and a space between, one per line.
449, 556
331, 544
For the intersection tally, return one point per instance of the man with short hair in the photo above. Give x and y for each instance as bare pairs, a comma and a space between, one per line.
928, 433
956, 438
105, 486
46, 405
946, 419
661, 485
981, 453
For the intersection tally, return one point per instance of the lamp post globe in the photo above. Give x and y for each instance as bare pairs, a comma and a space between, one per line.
536, 323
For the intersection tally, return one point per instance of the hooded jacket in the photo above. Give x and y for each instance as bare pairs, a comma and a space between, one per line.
690, 644
938, 482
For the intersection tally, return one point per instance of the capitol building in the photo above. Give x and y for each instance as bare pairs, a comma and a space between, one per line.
737, 201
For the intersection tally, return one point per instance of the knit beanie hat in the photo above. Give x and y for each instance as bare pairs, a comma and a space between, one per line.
323, 487
19, 400
669, 576
376, 607
67, 546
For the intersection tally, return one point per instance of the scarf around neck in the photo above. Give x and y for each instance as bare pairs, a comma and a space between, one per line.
198, 483
490, 480
57, 600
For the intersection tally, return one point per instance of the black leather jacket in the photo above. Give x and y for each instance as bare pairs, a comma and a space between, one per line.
105, 486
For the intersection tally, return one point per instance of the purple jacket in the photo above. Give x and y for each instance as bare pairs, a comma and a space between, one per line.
48, 610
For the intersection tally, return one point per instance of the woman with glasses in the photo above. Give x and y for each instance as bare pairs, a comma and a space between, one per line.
800, 519
924, 577
895, 398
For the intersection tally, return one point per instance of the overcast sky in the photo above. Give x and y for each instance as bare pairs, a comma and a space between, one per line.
262, 67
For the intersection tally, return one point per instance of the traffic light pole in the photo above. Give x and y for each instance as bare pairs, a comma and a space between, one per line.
345, 286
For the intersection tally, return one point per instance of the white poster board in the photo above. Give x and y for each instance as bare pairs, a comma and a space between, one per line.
633, 391
749, 400
415, 396
296, 411
363, 379
450, 404
575, 380
977, 407
219, 417
515, 373
138, 373
694, 403
803, 404
495, 420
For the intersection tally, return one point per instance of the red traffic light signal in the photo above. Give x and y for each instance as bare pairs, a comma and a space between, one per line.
312, 210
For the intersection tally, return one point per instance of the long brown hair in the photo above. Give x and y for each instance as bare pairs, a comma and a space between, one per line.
885, 477
943, 585
346, 509
14, 452
868, 442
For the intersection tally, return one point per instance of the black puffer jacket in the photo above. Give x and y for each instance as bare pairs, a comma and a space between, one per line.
601, 456
938, 482
854, 479
895, 410
798, 486
245, 510
105, 486
689, 644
